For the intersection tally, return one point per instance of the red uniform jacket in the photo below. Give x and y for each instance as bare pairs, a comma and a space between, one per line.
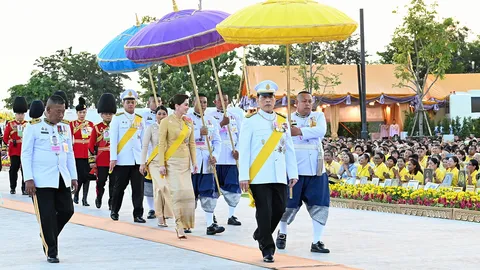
81, 135
100, 147
11, 134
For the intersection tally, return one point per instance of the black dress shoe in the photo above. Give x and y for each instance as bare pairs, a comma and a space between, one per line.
114, 216
268, 258
139, 220
319, 247
151, 214
214, 229
281, 241
12, 191
85, 203
53, 260
187, 231
75, 199
233, 221
98, 203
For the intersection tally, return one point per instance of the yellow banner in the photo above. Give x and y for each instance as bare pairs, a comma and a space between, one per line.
129, 134
265, 152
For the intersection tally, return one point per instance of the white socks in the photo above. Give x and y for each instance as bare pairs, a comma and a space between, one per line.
209, 218
231, 211
283, 227
317, 231
150, 203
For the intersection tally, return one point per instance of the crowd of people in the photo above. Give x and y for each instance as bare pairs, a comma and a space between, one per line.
405, 160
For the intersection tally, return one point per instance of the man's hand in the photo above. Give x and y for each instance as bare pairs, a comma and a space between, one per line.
204, 131
142, 169
244, 185
235, 154
74, 185
225, 121
113, 163
295, 131
195, 169
30, 187
292, 182
92, 165
212, 160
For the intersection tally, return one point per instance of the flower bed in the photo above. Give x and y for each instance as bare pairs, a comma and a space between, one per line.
443, 197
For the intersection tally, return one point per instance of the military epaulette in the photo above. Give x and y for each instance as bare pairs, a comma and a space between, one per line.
65, 121
280, 114
250, 114
139, 115
118, 114
35, 121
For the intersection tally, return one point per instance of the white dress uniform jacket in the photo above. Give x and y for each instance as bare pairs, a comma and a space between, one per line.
131, 153
226, 157
254, 133
149, 118
201, 141
308, 145
47, 153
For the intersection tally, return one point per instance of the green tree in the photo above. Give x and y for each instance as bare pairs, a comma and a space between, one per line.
176, 80
423, 45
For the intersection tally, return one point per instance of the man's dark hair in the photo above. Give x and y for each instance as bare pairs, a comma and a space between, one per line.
202, 95
55, 100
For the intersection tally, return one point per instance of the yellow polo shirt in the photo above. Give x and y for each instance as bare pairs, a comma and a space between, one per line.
455, 175
378, 171
334, 167
362, 171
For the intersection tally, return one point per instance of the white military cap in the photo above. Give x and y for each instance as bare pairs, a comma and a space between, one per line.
266, 87
129, 94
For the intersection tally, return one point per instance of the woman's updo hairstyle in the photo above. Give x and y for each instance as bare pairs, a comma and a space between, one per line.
178, 99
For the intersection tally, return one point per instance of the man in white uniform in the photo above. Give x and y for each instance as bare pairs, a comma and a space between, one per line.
227, 170
126, 132
267, 159
204, 185
49, 169
308, 130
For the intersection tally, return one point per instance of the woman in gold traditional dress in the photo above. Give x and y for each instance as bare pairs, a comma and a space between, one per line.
176, 156
161, 193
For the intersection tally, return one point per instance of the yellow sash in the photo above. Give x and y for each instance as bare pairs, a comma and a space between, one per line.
77, 128
128, 135
265, 152
171, 150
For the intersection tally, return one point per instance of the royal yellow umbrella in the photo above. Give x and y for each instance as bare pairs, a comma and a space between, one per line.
286, 22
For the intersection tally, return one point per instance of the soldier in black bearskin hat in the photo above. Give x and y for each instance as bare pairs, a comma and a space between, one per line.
81, 130
13, 139
99, 147
36, 110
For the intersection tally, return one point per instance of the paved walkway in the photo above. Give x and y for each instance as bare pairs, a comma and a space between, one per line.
366, 240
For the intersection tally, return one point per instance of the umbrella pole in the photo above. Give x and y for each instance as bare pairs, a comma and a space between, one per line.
288, 97
220, 93
195, 90
153, 86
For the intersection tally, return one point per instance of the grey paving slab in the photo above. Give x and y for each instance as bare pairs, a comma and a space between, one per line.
85, 248
362, 239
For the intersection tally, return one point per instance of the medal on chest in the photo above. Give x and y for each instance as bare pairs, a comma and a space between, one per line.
106, 134
20, 130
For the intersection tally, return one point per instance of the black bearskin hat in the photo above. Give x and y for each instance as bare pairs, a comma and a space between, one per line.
107, 104
36, 109
20, 105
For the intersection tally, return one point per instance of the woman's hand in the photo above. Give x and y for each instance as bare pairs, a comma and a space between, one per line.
163, 170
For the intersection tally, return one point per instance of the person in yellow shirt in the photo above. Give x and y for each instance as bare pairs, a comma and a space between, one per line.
414, 171
438, 173
461, 158
380, 168
391, 163
401, 170
453, 168
364, 166
472, 168
331, 166
422, 157
471, 153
